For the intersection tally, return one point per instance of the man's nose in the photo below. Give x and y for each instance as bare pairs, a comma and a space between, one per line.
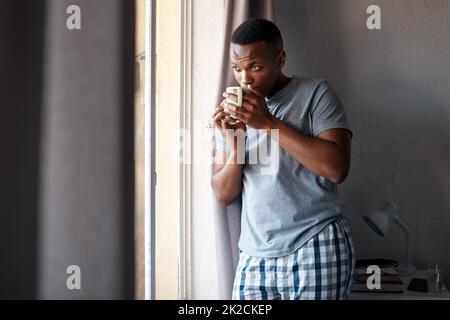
246, 78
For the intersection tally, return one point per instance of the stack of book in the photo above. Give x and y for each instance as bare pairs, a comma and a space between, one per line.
389, 283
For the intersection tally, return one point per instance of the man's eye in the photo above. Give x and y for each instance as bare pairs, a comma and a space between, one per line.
256, 68
236, 69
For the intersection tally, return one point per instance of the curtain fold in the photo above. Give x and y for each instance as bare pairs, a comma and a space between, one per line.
67, 174
227, 218
21, 54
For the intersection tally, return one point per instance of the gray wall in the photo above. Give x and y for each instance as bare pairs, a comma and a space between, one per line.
67, 149
394, 83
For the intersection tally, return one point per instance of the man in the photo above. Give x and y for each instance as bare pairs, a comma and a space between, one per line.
294, 242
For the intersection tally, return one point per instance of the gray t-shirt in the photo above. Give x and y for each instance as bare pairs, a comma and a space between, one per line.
284, 204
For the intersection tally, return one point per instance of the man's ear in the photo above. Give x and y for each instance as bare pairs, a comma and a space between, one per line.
281, 59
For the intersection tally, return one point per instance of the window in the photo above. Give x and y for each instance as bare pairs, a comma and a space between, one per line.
162, 196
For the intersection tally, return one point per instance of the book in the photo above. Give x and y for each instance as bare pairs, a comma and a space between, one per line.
389, 283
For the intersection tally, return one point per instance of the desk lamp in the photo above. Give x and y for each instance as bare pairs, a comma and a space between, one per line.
379, 222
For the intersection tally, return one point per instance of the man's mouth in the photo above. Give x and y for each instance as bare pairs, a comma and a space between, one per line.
253, 89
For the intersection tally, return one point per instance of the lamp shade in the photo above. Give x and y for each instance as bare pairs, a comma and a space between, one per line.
379, 220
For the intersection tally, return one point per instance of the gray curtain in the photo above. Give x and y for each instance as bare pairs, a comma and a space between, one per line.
227, 218
67, 173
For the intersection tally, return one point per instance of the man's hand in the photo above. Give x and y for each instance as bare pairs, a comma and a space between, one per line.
227, 125
254, 111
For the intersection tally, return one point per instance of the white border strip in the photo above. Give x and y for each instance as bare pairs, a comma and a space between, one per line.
185, 165
149, 165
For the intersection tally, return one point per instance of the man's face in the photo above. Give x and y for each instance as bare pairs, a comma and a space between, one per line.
255, 66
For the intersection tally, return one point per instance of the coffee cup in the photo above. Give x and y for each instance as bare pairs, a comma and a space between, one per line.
239, 92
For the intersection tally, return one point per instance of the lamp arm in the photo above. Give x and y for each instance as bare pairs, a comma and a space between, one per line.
407, 231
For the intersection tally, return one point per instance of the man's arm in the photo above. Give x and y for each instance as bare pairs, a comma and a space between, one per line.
328, 155
226, 180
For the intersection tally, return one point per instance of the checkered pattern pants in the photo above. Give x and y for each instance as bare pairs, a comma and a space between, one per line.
321, 269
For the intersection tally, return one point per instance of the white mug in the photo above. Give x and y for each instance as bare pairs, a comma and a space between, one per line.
239, 91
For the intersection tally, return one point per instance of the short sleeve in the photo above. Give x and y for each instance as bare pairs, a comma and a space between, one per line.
327, 111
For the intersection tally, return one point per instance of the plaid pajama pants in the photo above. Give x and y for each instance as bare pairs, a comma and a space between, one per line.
320, 269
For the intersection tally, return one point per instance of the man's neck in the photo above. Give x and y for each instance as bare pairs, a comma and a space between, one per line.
281, 82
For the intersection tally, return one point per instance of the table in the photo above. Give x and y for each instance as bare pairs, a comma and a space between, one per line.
406, 295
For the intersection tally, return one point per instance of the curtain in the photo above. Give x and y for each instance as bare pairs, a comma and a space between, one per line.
227, 218
67, 172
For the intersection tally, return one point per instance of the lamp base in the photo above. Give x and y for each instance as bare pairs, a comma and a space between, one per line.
406, 269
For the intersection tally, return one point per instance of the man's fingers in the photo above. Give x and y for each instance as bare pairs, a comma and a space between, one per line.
218, 124
218, 109
250, 102
231, 96
219, 121
241, 115
218, 116
236, 111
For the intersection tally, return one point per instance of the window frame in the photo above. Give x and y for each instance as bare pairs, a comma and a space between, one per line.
151, 149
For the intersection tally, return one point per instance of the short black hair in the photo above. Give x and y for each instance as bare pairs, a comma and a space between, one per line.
258, 29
